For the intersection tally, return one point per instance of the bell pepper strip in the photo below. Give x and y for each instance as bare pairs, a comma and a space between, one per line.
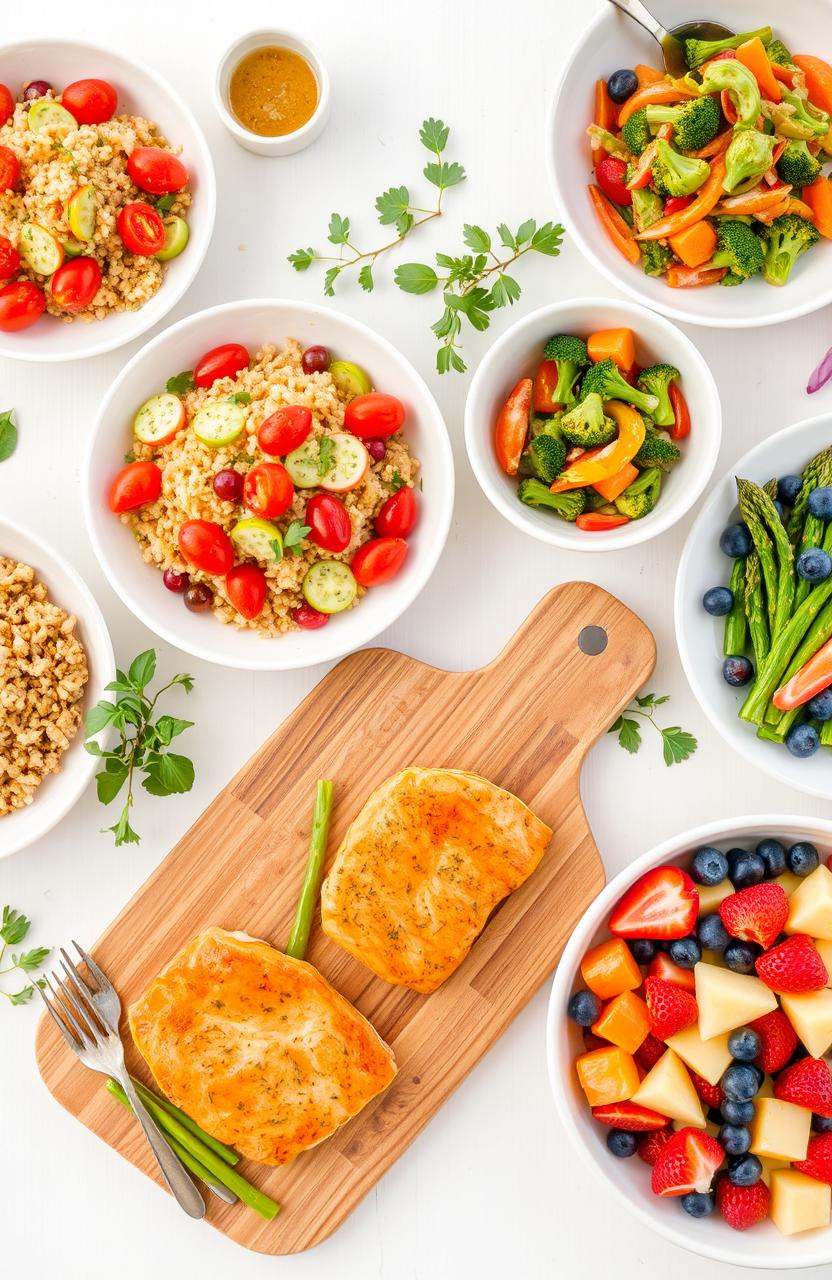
603, 463
643, 168
752, 54
767, 216
811, 679
660, 91
728, 109
604, 113
694, 245
715, 147
693, 277
616, 344
545, 381
818, 196
786, 75
647, 75
800, 207
700, 206
751, 202
615, 485
616, 229
818, 80
673, 204
513, 427
598, 521
681, 413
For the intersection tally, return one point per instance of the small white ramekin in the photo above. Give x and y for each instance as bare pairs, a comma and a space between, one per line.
286, 144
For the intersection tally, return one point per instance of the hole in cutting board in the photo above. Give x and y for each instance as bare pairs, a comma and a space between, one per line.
592, 641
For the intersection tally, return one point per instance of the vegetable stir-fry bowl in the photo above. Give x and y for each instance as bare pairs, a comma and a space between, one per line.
742, 135
597, 424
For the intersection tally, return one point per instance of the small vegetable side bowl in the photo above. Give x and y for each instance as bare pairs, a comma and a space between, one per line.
518, 353
613, 41
761, 1247
59, 791
140, 92
699, 636
254, 323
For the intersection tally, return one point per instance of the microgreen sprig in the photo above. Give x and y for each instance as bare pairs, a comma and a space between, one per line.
14, 927
677, 743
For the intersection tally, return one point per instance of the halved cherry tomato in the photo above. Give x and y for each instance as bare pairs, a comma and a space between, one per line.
6, 104
21, 304
308, 618
268, 490
374, 415
90, 101
141, 228
206, 546
9, 169
329, 522
611, 176
134, 486
75, 283
9, 259
513, 427
285, 430
378, 561
681, 414
155, 170
674, 203
398, 514
597, 521
545, 382
220, 362
246, 587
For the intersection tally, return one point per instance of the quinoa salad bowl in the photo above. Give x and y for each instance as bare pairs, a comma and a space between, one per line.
268, 485
107, 202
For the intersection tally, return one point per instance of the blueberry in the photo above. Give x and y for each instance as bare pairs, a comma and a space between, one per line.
737, 670
821, 1124
685, 952
622, 84
744, 1044
773, 854
788, 488
820, 707
740, 956
802, 740
814, 565
712, 934
745, 868
642, 950
697, 1203
802, 858
584, 1008
709, 866
740, 1082
737, 1112
735, 1139
744, 1171
718, 601
736, 541
622, 1143
715, 1116
820, 502
779, 508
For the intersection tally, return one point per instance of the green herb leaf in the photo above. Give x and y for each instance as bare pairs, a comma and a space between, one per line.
276, 545
548, 239
8, 435
169, 727
365, 278
506, 237
123, 832
295, 535
169, 774
392, 205
476, 238
28, 961
397, 482
505, 291
240, 397
14, 926
339, 229
129, 457
329, 281
444, 173
678, 745
166, 202
415, 277
325, 455
109, 782
21, 997
629, 735
181, 383
646, 700
186, 681
434, 135
525, 231
98, 717
142, 669
302, 259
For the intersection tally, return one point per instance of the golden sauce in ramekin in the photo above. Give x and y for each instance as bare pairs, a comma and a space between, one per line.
273, 91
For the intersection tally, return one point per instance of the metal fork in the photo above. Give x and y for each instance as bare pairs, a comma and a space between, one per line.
101, 1049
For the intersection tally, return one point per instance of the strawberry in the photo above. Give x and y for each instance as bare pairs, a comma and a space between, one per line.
629, 1115
742, 1207
592, 1042
669, 1008
818, 1162
807, 1083
661, 966
649, 1052
779, 1040
709, 1093
661, 904
793, 967
688, 1162
756, 914
650, 1147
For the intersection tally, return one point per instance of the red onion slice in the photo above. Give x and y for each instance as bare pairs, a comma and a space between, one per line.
821, 375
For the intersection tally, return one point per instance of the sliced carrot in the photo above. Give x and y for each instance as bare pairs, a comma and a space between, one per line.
693, 277
617, 231
752, 202
818, 79
615, 485
752, 54
715, 147
703, 202
617, 344
647, 75
812, 678
660, 91
604, 113
512, 427
818, 196
694, 245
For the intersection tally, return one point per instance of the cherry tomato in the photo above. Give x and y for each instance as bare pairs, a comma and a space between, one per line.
75, 283
681, 413
9, 259
611, 176
308, 618
397, 515
220, 362
9, 169
373, 415
206, 546
598, 521
155, 170
141, 228
674, 203
21, 304
284, 430
135, 485
90, 101
6, 104
378, 561
329, 522
246, 587
268, 490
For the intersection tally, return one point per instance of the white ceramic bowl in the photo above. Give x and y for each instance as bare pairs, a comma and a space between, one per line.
763, 1246
613, 40
58, 792
140, 92
284, 144
518, 352
699, 636
254, 323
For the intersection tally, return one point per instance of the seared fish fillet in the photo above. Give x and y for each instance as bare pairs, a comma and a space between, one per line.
421, 868
258, 1048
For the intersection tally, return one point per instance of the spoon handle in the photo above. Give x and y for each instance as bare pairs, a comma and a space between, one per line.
635, 9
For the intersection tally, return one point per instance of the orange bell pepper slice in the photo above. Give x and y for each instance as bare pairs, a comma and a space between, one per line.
598, 521
818, 196
600, 464
662, 91
681, 413
753, 202
800, 207
617, 344
703, 202
545, 381
811, 679
693, 277
818, 79
786, 75
513, 427
767, 216
617, 231
604, 112
647, 75
715, 147
615, 485
694, 245
752, 54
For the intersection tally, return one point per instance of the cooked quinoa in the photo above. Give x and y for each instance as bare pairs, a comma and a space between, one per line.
274, 378
43, 674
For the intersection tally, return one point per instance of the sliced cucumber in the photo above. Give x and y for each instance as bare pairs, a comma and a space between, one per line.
177, 234
73, 248
349, 463
329, 586
80, 212
39, 249
219, 423
302, 465
349, 378
48, 115
159, 419
256, 538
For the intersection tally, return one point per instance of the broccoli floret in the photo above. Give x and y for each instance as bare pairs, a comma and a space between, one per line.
655, 257
783, 242
675, 174
656, 380
567, 505
635, 133
640, 497
797, 165
738, 249
699, 51
586, 425
544, 458
694, 122
742, 90
647, 208
748, 157
596, 501
605, 379
657, 451
777, 52
608, 142
570, 355
795, 117
546, 426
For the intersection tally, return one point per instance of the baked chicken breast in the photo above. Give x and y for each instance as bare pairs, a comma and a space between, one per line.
257, 1047
421, 868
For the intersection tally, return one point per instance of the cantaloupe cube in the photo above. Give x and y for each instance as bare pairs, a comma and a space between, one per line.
810, 906
810, 1013
788, 882
769, 1165
668, 1089
766, 1089
624, 1021
727, 1000
824, 950
607, 1075
708, 1058
798, 1203
780, 1130
710, 896
609, 969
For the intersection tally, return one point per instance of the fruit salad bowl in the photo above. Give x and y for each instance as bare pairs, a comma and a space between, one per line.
762, 1245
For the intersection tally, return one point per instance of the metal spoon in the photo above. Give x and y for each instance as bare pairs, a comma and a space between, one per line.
671, 42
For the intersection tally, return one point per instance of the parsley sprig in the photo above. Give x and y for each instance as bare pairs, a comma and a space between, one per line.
290, 543
143, 743
14, 927
677, 743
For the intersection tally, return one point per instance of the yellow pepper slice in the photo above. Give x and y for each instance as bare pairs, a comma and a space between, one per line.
600, 464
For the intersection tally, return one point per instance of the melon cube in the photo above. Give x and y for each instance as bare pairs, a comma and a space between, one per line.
708, 1058
710, 896
727, 1000
609, 969
624, 1021
780, 1130
798, 1203
810, 906
810, 1013
788, 882
824, 950
668, 1089
607, 1075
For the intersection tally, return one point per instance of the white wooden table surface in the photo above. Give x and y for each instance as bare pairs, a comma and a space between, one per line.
490, 1188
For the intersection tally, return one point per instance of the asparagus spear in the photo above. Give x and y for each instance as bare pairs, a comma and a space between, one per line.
826, 733
774, 549
755, 609
219, 1148
299, 936
735, 622
818, 471
813, 531
783, 646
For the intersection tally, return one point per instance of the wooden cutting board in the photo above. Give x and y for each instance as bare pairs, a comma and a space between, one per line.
525, 721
